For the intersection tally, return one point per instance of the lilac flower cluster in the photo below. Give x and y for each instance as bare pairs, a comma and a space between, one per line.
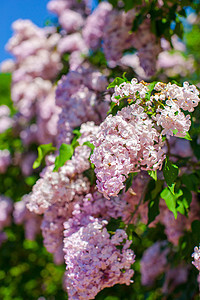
94, 26
79, 96
125, 143
63, 185
94, 262
37, 62
153, 262
131, 140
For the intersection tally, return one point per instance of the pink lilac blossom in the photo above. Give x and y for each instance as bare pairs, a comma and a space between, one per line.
125, 143
148, 46
5, 160
26, 93
94, 262
186, 97
37, 62
71, 20
58, 7
34, 50
116, 36
47, 113
5, 120
6, 207
55, 195
79, 96
69, 181
36, 98
30, 220
132, 60
95, 205
153, 262
175, 64
52, 228
130, 90
72, 42
171, 119
94, 26
62, 185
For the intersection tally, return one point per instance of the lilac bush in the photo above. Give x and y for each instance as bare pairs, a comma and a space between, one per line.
99, 151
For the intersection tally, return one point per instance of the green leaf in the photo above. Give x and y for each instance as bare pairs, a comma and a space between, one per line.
157, 189
90, 145
124, 77
153, 205
170, 201
43, 150
170, 172
153, 174
153, 209
74, 142
171, 188
129, 180
185, 199
5, 88
65, 153
186, 137
77, 133
117, 81
191, 181
128, 5
151, 86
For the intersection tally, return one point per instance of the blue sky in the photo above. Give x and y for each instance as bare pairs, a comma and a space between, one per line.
12, 10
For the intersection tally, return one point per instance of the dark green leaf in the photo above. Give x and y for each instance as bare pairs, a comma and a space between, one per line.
90, 174
191, 181
129, 180
65, 153
157, 189
43, 150
196, 229
128, 5
170, 172
153, 209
